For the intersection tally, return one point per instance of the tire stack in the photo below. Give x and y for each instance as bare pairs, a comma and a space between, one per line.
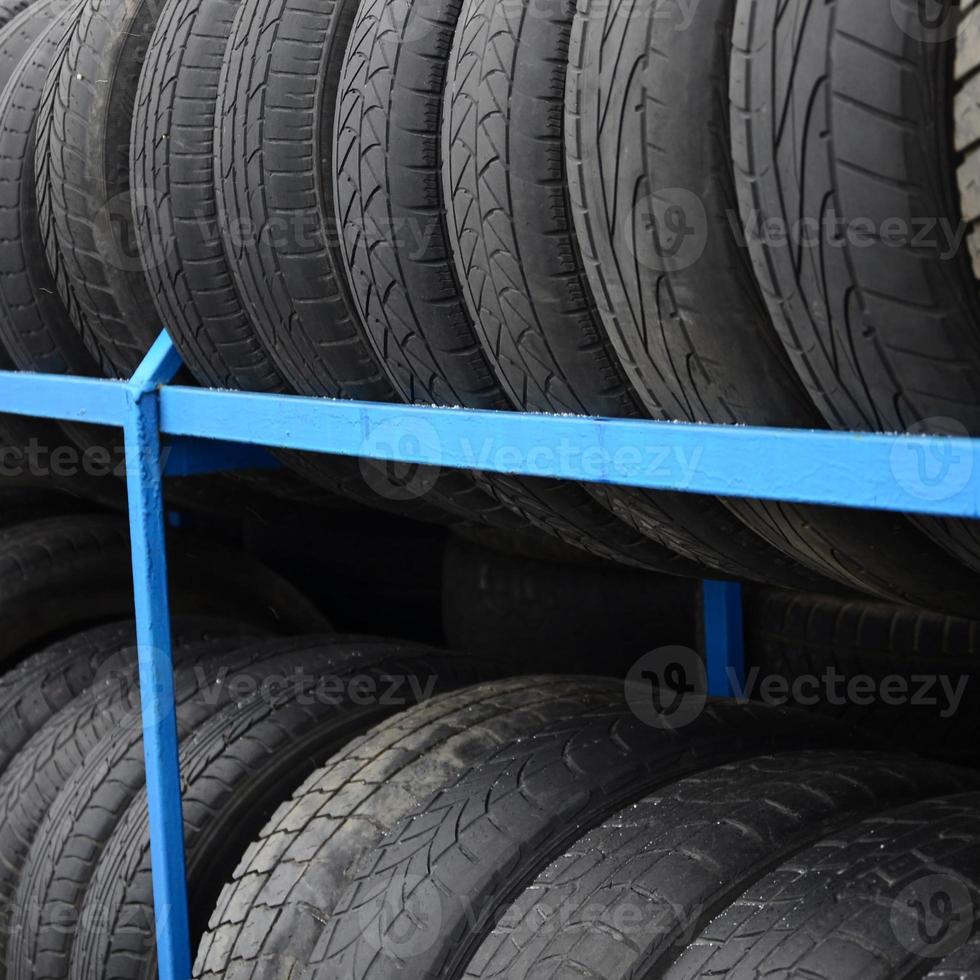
729, 211
362, 807
482, 205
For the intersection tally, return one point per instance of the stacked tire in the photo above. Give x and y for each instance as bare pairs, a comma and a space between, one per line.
464, 203
361, 807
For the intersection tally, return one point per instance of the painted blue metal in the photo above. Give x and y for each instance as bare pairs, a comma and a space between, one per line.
160, 744
52, 396
213, 431
160, 366
724, 638
916, 474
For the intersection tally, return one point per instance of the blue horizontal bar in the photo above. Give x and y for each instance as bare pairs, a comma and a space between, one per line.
69, 399
928, 475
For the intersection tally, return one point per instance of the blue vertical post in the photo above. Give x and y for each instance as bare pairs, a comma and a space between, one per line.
724, 637
147, 522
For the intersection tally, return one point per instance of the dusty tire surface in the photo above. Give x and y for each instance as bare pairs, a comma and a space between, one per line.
417, 771
277, 239
82, 171
892, 896
237, 768
40, 686
55, 755
37, 328
9, 9
624, 900
87, 807
180, 244
283, 67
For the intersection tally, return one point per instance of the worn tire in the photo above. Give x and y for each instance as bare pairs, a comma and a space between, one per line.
878, 309
389, 182
419, 770
268, 186
62, 574
36, 326
82, 170
53, 754
180, 244
691, 330
623, 901
237, 769
9, 9
561, 616
40, 686
283, 67
862, 902
19, 26
932, 657
73, 782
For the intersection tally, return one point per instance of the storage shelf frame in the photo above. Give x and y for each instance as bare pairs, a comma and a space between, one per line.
207, 431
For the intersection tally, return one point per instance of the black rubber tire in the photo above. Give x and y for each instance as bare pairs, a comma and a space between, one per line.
40, 686
94, 800
36, 327
388, 182
691, 332
883, 328
283, 67
66, 765
292, 281
107, 706
436, 769
35, 330
237, 769
559, 616
858, 903
19, 26
966, 121
798, 636
82, 170
62, 574
23, 504
9, 9
622, 901
180, 245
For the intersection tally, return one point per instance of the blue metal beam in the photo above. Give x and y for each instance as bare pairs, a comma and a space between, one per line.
724, 638
50, 396
157, 697
927, 475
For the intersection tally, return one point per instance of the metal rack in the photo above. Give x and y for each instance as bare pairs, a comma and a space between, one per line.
212, 431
